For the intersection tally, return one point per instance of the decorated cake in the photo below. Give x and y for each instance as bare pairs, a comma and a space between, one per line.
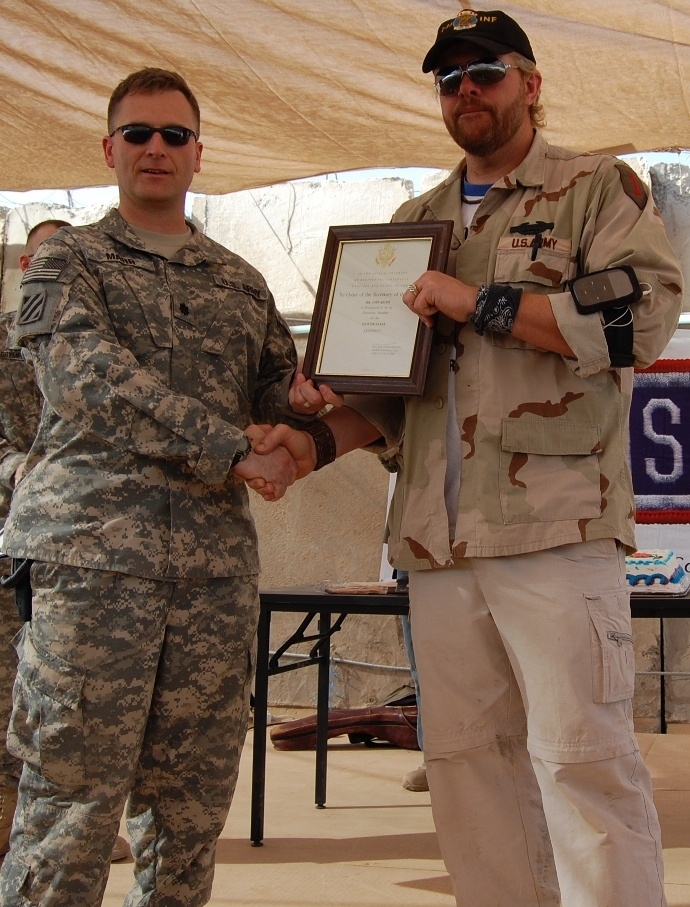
657, 570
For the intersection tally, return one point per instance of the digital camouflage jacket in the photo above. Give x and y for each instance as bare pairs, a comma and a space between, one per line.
151, 369
544, 437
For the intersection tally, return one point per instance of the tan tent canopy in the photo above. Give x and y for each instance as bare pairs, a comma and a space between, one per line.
295, 88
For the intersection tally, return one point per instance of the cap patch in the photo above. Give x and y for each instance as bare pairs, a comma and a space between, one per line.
467, 18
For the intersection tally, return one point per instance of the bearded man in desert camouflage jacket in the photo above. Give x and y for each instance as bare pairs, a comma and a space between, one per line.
513, 506
154, 348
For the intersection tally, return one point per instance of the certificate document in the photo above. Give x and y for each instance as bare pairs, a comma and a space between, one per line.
369, 331
363, 338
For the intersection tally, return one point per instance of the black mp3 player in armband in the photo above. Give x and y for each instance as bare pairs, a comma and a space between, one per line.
613, 288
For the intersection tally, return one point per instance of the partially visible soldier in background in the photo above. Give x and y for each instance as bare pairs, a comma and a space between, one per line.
34, 238
20, 409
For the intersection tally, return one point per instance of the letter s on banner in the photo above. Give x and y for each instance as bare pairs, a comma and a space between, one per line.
666, 440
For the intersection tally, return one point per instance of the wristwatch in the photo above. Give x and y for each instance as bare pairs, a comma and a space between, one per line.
244, 448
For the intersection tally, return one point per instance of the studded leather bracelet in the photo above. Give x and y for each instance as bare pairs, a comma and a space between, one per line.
324, 439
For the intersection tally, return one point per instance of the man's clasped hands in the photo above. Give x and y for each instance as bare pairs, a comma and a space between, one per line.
280, 454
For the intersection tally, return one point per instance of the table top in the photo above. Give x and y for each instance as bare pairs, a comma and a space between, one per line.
656, 604
315, 598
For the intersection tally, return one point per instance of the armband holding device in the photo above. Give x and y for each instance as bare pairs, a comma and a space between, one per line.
610, 292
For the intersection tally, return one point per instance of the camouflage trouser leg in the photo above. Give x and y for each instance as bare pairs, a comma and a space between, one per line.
126, 684
10, 766
191, 751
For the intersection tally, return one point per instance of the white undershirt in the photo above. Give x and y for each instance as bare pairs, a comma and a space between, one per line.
471, 196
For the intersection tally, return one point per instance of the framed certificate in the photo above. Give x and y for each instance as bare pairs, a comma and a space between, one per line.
363, 339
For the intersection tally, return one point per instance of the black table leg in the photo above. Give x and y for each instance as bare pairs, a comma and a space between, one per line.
322, 709
310, 602
662, 678
260, 716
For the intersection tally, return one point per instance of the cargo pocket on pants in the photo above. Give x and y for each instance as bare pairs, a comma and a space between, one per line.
46, 727
613, 659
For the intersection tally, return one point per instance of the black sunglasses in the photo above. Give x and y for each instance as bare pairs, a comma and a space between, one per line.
140, 134
482, 72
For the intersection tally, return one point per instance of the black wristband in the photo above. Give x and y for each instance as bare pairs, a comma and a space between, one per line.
497, 306
324, 439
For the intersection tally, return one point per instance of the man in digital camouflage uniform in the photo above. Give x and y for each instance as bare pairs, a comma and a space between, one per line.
154, 347
513, 506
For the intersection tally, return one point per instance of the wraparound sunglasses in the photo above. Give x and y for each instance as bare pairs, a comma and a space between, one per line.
482, 72
140, 134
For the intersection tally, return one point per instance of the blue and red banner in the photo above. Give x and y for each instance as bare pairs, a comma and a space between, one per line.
660, 442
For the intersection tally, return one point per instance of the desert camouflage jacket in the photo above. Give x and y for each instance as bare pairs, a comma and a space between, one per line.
20, 408
544, 437
151, 368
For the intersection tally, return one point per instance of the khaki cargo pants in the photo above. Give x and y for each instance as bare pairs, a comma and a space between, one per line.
536, 779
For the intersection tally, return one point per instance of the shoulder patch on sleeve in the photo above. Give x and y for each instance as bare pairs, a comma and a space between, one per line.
37, 310
32, 308
42, 269
633, 186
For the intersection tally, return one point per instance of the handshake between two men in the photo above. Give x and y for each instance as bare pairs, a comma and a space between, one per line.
280, 454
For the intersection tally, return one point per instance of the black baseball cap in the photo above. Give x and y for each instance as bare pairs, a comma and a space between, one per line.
490, 29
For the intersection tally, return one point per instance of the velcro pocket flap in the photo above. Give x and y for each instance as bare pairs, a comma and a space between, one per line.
548, 437
231, 319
